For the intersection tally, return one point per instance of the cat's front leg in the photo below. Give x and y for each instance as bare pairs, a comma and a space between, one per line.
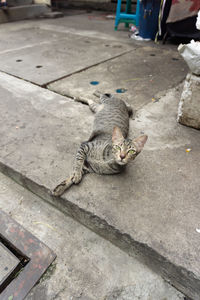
77, 176
79, 163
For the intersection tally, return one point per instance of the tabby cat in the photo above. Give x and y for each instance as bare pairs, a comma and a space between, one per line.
108, 150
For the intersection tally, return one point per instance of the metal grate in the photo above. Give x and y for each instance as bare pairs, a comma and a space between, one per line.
24, 259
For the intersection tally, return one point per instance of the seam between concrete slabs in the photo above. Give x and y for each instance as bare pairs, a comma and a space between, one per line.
86, 68
68, 75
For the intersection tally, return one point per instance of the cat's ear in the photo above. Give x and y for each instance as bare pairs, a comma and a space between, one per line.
117, 136
140, 141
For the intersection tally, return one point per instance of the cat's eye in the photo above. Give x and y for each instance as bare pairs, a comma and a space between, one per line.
116, 147
131, 151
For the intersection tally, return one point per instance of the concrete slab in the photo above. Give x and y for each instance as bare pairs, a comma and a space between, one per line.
47, 62
20, 38
94, 24
87, 266
33, 32
97, 24
142, 73
152, 209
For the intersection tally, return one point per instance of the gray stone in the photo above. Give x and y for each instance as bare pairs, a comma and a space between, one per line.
22, 12
144, 211
141, 73
189, 106
87, 267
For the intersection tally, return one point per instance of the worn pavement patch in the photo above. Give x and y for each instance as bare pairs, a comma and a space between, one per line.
152, 209
140, 75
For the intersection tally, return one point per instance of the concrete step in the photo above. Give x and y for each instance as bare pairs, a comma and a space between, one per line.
143, 211
87, 267
23, 12
19, 2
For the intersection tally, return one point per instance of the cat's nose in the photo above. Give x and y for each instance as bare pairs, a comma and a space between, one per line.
122, 155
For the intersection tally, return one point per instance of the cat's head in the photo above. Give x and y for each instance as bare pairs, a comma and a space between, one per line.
125, 150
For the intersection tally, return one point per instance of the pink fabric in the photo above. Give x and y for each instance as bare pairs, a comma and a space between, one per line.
182, 9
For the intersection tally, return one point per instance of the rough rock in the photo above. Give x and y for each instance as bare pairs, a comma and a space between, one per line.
189, 106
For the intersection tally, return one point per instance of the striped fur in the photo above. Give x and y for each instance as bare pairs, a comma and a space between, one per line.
108, 150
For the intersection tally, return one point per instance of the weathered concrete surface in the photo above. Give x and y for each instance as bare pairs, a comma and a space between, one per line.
94, 24
16, 38
49, 60
152, 209
143, 74
87, 266
23, 12
189, 106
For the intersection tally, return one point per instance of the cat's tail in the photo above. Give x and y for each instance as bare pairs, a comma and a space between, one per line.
63, 186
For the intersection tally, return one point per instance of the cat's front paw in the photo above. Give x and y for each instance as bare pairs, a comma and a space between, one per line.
77, 177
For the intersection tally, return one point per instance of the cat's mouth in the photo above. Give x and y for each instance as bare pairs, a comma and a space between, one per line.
121, 162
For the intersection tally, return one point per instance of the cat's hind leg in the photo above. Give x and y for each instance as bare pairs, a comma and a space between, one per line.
102, 96
129, 108
92, 105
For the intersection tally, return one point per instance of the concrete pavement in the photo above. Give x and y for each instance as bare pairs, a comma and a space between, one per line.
87, 266
152, 210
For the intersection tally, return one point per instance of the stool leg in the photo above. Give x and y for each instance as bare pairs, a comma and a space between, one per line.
116, 23
128, 6
117, 17
137, 17
126, 25
128, 11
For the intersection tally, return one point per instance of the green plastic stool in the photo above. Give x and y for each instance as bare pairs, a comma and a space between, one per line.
127, 17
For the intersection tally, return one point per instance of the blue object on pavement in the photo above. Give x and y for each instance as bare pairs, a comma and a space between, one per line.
94, 82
